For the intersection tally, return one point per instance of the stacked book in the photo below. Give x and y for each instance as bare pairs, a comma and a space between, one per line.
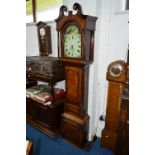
42, 94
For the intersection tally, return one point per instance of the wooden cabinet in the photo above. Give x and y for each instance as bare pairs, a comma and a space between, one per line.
46, 118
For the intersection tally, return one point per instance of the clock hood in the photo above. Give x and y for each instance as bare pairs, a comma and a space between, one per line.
83, 21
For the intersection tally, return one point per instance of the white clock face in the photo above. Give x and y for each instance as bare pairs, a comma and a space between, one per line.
72, 42
42, 31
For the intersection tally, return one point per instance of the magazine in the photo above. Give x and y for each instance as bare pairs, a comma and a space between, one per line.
42, 94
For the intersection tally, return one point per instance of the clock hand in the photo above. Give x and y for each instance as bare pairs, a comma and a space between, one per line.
72, 50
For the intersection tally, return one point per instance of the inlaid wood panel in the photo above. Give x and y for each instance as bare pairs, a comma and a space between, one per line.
73, 84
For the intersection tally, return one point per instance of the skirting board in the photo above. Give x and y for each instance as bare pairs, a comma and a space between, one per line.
96, 132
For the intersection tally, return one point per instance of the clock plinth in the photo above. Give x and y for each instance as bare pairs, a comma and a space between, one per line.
76, 52
75, 129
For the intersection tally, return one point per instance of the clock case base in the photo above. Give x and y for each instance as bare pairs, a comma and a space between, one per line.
75, 130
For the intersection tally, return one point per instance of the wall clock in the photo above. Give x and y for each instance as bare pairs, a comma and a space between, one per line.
44, 39
76, 52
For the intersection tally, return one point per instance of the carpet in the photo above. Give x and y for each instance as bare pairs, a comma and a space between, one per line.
44, 145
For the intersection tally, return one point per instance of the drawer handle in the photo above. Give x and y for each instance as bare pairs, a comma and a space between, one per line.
106, 136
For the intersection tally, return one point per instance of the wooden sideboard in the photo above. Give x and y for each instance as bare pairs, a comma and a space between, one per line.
46, 118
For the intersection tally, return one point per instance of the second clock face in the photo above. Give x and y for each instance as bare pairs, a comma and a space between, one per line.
42, 31
72, 42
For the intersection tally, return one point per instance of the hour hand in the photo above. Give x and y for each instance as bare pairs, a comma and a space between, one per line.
72, 50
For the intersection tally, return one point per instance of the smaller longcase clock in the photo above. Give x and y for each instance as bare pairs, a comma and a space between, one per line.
44, 39
72, 42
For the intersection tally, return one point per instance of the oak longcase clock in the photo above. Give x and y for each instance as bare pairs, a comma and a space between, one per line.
76, 52
116, 76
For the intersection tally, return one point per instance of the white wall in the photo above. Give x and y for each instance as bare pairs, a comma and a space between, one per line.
111, 42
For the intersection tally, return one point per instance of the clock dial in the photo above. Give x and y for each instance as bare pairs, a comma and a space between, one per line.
42, 32
116, 70
72, 42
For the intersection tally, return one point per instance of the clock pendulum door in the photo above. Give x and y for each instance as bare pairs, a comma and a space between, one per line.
75, 44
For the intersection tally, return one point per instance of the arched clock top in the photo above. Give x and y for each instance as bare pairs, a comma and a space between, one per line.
72, 29
41, 24
71, 26
117, 71
75, 35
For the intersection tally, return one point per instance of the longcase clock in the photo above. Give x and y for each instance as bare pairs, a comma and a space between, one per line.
76, 51
116, 77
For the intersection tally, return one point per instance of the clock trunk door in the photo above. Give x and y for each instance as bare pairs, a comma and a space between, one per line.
73, 90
